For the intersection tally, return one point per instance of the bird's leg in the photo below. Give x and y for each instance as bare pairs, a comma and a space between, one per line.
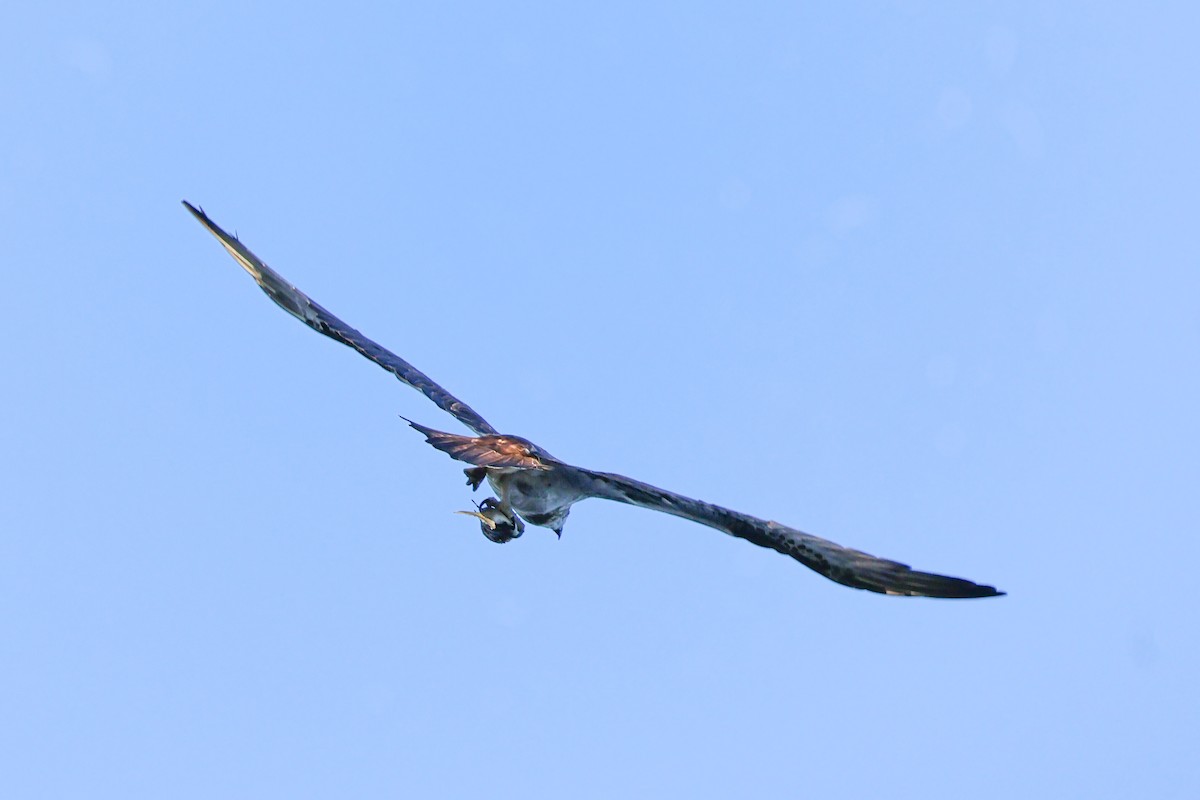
505, 506
475, 477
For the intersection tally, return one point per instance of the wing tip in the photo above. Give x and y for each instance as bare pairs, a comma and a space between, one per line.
945, 587
206, 221
197, 212
965, 589
976, 593
422, 429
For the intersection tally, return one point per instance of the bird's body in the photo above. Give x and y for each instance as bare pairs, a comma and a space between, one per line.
534, 487
542, 498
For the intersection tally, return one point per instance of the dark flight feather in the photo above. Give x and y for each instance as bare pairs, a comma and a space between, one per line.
303, 308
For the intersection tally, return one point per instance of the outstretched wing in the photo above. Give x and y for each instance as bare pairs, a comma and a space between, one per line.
303, 308
849, 567
846, 566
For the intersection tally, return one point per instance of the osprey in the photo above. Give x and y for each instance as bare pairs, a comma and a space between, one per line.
534, 487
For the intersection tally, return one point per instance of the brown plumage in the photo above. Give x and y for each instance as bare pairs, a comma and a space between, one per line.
492, 450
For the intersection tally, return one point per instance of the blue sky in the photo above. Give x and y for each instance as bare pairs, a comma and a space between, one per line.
919, 278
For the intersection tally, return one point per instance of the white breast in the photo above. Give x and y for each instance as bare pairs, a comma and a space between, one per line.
536, 491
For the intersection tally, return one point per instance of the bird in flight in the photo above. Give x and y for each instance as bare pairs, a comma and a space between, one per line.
534, 487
